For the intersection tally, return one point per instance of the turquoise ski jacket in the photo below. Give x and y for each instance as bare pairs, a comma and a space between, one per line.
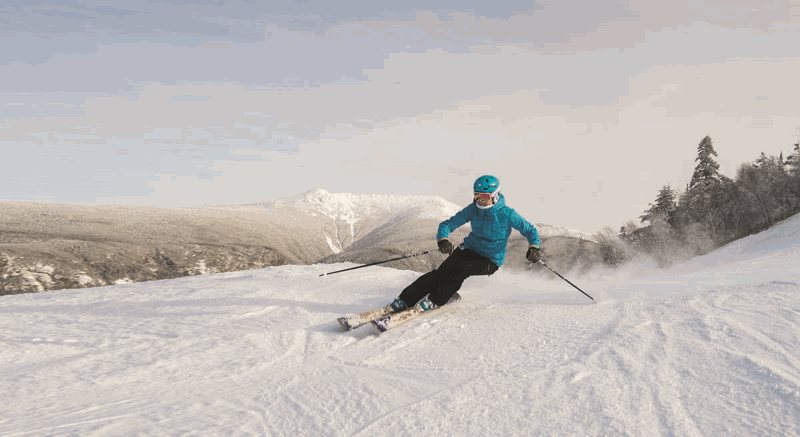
491, 228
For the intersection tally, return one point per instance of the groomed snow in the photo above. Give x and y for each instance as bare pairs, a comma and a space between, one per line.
709, 347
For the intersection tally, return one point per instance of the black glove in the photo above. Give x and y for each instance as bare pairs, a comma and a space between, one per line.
533, 255
445, 246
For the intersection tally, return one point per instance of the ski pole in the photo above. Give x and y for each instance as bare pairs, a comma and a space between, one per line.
570, 283
376, 263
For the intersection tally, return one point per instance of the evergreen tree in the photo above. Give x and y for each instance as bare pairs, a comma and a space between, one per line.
793, 162
694, 205
714, 209
766, 189
707, 170
663, 208
793, 170
700, 218
627, 230
761, 161
658, 237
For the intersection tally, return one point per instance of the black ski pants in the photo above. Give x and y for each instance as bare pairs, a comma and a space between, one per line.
442, 283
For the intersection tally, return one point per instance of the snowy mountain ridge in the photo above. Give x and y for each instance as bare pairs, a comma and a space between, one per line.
353, 208
355, 215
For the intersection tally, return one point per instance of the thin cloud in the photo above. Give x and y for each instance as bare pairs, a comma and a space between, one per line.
407, 100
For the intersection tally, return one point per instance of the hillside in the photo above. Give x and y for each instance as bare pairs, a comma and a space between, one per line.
707, 347
56, 246
59, 246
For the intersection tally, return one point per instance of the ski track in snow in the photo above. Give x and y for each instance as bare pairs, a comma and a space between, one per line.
709, 347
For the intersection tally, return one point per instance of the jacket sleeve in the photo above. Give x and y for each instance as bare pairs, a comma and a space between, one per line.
454, 222
526, 228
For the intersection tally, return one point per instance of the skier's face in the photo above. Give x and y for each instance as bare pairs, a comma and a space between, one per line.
483, 199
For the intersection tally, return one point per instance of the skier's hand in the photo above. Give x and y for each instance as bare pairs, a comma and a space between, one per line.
533, 255
445, 246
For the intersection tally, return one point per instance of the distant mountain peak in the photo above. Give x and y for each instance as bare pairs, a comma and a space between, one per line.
316, 193
351, 207
344, 218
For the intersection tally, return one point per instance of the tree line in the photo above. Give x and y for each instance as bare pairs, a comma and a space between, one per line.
711, 211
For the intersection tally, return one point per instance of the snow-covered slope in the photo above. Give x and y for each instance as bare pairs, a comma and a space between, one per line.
709, 347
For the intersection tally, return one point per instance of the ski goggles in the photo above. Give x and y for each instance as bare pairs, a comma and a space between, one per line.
483, 197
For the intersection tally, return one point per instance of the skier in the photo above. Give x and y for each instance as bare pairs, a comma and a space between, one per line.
481, 253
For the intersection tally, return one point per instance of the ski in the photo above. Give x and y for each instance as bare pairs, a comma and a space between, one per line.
394, 320
352, 321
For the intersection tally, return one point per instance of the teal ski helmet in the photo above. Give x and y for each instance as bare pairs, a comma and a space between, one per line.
486, 184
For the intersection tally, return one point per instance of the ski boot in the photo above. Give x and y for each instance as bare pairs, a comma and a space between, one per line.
398, 305
425, 305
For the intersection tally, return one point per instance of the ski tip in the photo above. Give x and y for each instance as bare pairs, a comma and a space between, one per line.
343, 323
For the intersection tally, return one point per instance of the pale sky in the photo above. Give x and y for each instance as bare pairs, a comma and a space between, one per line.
584, 109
